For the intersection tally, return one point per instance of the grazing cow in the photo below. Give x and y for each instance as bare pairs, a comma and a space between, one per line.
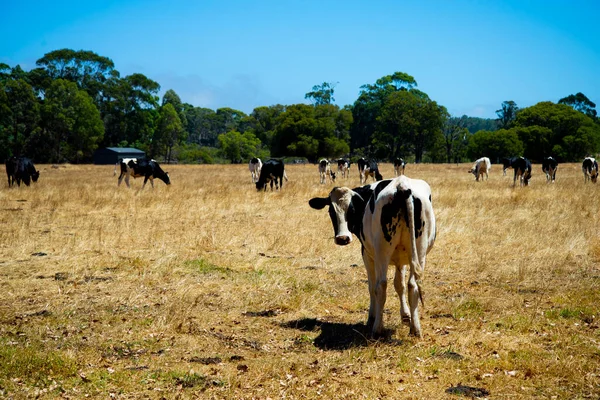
395, 223
21, 169
368, 168
590, 169
343, 168
481, 166
271, 171
399, 166
549, 167
138, 168
522, 168
506, 164
254, 166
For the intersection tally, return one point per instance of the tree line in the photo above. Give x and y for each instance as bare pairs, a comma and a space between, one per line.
74, 102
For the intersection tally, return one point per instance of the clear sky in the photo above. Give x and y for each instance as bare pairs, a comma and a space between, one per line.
467, 55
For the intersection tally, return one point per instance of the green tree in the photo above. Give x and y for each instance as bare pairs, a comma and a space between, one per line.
169, 132
580, 103
456, 137
171, 97
507, 114
20, 117
87, 69
367, 107
130, 110
238, 147
321, 94
408, 121
72, 122
558, 130
494, 144
264, 121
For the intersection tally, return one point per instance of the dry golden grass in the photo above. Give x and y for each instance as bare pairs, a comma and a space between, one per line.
208, 289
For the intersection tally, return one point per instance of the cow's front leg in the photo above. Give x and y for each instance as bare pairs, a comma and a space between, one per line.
371, 282
380, 289
145, 180
400, 286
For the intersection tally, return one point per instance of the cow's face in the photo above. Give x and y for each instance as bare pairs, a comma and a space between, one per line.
35, 176
594, 175
344, 206
167, 178
332, 176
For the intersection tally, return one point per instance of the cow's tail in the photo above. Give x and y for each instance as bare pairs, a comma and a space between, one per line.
415, 265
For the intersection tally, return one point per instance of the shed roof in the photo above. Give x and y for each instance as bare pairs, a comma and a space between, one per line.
124, 150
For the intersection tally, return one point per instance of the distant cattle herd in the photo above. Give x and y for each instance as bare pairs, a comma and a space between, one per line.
393, 219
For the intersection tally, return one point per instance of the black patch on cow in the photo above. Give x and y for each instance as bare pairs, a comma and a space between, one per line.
378, 188
419, 223
391, 212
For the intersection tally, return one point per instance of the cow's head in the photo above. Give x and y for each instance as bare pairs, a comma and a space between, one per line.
346, 209
167, 178
332, 174
35, 176
526, 177
594, 174
378, 176
261, 185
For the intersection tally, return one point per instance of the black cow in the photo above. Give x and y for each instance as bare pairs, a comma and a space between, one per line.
549, 167
21, 169
271, 171
590, 169
522, 168
368, 168
506, 164
137, 168
399, 166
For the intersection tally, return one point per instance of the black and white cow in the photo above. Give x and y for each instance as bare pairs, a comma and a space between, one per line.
137, 168
549, 167
255, 166
481, 166
506, 164
522, 168
343, 168
395, 223
325, 172
368, 168
399, 166
590, 169
21, 169
270, 172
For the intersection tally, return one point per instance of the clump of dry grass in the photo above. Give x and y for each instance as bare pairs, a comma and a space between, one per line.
207, 288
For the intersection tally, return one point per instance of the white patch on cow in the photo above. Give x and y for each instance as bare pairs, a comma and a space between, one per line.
480, 167
254, 169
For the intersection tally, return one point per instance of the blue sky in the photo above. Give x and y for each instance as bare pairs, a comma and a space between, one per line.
467, 55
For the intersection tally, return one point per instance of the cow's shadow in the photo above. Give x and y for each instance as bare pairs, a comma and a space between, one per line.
340, 336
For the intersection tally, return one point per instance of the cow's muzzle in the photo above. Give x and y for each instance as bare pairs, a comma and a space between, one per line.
342, 240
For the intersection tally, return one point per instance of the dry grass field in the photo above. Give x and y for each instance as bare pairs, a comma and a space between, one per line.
208, 289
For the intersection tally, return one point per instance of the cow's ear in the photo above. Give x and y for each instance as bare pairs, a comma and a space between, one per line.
318, 203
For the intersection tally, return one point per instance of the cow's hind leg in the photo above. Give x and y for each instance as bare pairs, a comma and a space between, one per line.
400, 286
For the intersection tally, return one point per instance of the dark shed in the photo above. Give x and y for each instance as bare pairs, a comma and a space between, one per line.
110, 155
